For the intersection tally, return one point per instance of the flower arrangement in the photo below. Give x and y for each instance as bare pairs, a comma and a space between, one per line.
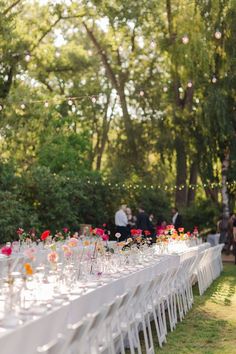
170, 233
26, 236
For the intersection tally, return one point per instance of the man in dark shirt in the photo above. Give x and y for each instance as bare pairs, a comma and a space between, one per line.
176, 219
143, 222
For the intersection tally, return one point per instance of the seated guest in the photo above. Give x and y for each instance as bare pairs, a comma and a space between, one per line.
176, 218
121, 222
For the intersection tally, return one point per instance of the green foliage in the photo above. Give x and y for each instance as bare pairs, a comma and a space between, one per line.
203, 214
115, 76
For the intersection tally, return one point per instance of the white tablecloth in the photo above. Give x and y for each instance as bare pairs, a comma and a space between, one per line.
38, 331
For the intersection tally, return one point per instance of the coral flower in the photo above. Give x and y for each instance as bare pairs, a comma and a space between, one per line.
53, 257
73, 242
45, 235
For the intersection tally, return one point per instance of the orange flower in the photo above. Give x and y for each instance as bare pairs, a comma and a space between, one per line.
28, 269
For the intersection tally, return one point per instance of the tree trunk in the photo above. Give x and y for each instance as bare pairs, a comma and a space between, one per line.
192, 181
118, 82
181, 173
224, 191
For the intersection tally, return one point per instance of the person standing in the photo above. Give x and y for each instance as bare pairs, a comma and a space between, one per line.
121, 222
230, 236
131, 218
234, 242
223, 229
176, 218
143, 222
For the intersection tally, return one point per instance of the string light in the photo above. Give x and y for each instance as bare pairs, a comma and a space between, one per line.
70, 102
46, 104
218, 34
214, 80
141, 93
165, 88
1, 107
190, 84
27, 57
22, 106
93, 99
185, 39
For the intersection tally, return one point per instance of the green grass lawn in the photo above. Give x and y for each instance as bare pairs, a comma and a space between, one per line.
210, 326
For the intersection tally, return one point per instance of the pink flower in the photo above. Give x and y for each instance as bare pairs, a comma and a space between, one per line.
99, 232
104, 225
6, 250
45, 235
30, 253
53, 257
105, 237
19, 231
65, 230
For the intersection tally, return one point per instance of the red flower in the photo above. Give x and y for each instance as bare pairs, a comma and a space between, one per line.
6, 250
181, 229
45, 235
147, 233
65, 230
104, 225
133, 232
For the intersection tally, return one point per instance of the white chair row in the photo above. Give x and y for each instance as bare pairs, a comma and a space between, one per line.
164, 300
209, 267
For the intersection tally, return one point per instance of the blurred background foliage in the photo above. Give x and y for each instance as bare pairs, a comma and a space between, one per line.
99, 96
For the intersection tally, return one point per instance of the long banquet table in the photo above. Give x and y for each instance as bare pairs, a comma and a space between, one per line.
36, 330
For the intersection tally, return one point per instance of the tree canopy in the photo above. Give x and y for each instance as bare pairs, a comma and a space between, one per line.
110, 101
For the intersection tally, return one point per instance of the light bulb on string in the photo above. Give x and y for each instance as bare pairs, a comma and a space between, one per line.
57, 54
141, 93
165, 88
94, 100
22, 106
152, 45
190, 84
218, 34
214, 80
1, 107
180, 89
46, 104
185, 39
27, 57
70, 102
